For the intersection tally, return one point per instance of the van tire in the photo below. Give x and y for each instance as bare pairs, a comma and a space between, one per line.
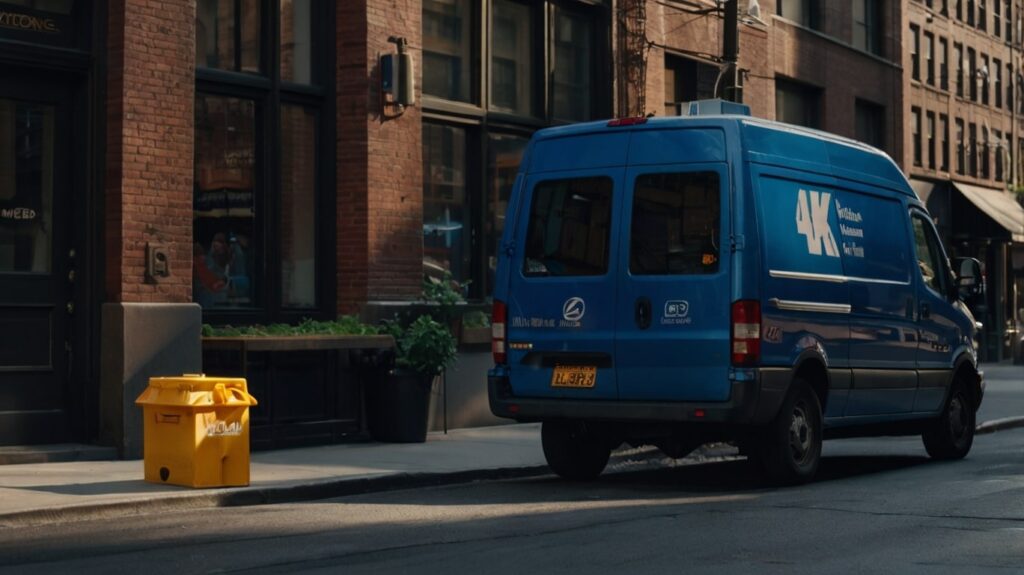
790, 450
952, 434
572, 451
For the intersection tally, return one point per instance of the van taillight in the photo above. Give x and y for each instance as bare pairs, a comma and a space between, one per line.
498, 332
746, 332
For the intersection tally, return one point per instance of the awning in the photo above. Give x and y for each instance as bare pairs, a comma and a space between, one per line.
999, 206
922, 188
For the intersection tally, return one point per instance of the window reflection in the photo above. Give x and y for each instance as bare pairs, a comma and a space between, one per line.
445, 237
511, 57
224, 211
26, 187
298, 212
447, 46
571, 66
504, 154
226, 38
296, 41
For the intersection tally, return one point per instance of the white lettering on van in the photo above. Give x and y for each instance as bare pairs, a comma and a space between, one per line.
812, 210
852, 232
847, 214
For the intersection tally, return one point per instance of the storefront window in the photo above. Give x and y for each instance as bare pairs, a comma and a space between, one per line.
512, 58
228, 35
445, 209
298, 207
503, 156
224, 207
571, 67
448, 27
26, 187
296, 41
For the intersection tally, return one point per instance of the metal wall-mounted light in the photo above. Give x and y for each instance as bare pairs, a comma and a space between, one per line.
397, 75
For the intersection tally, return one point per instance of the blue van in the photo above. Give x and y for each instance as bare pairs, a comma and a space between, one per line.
675, 281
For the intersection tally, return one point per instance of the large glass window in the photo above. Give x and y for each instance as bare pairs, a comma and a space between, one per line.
569, 228
257, 218
804, 12
445, 202
26, 186
687, 80
504, 153
867, 26
228, 35
298, 206
448, 55
929, 255
512, 57
571, 66
675, 224
915, 52
870, 123
227, 244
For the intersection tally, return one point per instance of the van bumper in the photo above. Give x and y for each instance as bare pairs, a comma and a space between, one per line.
755, 398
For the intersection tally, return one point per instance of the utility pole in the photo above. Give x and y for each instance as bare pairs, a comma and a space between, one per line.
730, 53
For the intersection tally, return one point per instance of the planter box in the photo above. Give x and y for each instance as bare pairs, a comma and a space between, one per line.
309, 388
476, 335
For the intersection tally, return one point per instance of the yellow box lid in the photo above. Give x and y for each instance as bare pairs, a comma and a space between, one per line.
196, 390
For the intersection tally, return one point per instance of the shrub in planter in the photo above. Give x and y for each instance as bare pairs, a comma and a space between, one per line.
398, 404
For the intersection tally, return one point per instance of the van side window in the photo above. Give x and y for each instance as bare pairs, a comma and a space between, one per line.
675, 224
569, 228
929, 255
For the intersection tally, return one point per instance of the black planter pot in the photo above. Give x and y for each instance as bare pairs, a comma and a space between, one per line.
398, 407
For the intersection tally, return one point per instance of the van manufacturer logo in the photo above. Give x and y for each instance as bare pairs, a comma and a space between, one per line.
574, 309
812, 211
677, 308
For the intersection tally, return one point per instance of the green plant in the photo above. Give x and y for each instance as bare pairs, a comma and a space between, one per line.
344, 325
476, 318
446, 292
424, 346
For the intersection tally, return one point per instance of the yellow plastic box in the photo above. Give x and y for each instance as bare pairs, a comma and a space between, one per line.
196, 430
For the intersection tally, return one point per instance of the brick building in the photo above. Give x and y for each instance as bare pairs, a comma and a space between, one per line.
169, 163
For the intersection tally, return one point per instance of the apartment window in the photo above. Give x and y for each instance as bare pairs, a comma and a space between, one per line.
972, 150
943, 64
687, 80
997, 139
972, 73
449, 36
260, 178
970, 12
960, 152
944, 142
982, 16
870, 123
929, 59
958, 61
538, 63
803, 12
997, 24
984, 153
797, 103
915, 49
915, 130
930, 135
1009, 87
997, 67
983, 79
1009, 23
867, 26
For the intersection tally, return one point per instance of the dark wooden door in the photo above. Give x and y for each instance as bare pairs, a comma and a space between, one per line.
36, 259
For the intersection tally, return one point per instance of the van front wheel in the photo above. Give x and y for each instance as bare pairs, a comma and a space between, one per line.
791, 449
572, 451
952, 434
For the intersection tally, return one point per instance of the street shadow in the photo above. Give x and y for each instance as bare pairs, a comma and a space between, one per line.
106, 488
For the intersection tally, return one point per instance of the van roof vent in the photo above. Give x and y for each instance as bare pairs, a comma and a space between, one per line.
715, 107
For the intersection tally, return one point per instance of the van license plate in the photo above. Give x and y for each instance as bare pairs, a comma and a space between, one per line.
574, 376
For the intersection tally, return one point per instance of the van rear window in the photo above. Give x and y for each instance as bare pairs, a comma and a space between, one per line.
675, 224
569, 228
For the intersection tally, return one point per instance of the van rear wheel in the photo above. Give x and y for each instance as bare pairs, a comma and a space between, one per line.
952, 434
572, 451
791, 448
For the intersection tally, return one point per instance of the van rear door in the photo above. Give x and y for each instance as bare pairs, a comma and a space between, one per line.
561, 283
672, 315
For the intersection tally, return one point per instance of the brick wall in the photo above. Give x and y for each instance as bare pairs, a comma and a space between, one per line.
150, 91
380, 189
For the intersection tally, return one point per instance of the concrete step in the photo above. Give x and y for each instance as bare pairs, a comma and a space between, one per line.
19, 454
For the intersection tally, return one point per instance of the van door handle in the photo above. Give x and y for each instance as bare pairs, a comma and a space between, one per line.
642, 313
926, 311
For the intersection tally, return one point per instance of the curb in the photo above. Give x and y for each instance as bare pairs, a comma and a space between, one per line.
999, 425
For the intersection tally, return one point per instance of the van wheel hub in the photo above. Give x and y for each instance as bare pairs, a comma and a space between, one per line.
800, 434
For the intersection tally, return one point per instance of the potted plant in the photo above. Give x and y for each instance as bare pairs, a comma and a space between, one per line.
476, 327
398, 404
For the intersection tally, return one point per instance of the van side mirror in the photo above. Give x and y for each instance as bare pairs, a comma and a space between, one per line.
969, 281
